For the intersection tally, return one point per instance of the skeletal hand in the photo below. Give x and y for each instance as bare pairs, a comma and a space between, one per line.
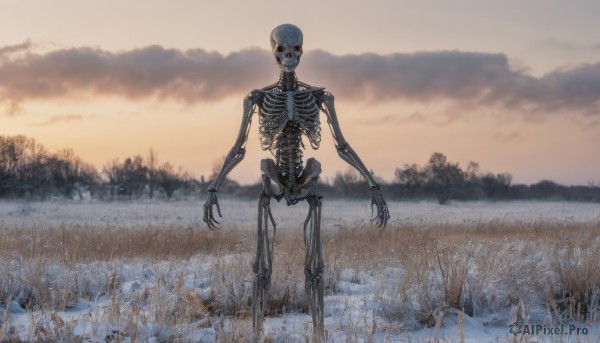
209, 217
383, 214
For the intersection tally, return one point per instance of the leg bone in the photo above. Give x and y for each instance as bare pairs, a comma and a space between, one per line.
262, 267
313, 264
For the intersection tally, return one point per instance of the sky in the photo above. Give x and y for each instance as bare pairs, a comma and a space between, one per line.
512, 85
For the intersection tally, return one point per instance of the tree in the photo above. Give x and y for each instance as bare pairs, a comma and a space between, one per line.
28, 170
350, 183
505, 179
135, 176
66, 172
496, 186
547, 189
22, 166
411, 179
472, 173
89, 180
128, 178
169, 180
445, 178
152, 167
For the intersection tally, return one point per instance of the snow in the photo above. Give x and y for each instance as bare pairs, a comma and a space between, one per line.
241, 213
364, 307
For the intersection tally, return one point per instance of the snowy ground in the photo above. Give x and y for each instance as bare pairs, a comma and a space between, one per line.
358, 311
242, 213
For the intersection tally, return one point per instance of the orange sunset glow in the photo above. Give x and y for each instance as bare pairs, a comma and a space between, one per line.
512, 86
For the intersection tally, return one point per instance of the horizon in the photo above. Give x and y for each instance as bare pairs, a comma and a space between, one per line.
508, 86
206, 178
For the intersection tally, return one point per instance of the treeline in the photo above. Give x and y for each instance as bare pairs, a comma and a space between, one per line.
28, 170
444, 180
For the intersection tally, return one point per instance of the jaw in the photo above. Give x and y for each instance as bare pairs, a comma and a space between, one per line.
288, 65
288, 68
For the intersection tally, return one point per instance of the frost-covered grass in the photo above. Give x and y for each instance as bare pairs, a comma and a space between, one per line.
150, 272
242, 213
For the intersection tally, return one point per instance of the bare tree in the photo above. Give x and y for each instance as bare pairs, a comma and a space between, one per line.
472, 173
411, 179
169, 180
128, 178
152, 166
22, 163
444, 176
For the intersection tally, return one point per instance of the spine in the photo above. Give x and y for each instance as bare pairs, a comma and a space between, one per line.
289, 155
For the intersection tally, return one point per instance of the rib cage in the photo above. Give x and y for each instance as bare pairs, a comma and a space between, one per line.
307, 116
287, 111
272, 120
274, 116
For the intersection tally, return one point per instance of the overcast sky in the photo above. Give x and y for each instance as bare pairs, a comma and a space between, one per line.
512, 85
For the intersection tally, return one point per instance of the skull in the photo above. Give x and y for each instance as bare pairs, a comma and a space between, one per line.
286, 44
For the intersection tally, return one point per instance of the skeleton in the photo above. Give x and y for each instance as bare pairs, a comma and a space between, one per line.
287, 111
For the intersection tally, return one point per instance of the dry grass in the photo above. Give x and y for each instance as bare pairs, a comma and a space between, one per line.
365, 245
572, 289
80, 244
472, 268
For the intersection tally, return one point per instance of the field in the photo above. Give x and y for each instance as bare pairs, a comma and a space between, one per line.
151, 272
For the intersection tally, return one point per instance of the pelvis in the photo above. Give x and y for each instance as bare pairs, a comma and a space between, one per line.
303, 186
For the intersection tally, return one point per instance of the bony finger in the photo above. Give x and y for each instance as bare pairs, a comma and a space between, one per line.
213, 223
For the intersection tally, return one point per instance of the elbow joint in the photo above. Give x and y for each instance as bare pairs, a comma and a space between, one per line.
343, 147
238, 150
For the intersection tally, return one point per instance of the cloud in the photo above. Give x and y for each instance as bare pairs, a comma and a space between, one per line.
11, 49
470, 79
189, 76
567, 45
59, 119
467, 79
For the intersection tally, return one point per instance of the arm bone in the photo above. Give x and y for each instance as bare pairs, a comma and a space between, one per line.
342, 146
349, 155
237, 152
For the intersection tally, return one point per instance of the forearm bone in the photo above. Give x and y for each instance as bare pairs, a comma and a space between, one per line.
343, 148
238, 151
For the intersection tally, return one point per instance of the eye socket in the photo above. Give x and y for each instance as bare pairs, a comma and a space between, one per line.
297, 48
279, 49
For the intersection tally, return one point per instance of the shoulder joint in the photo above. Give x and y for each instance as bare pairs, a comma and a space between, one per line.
253, 97
324, 97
